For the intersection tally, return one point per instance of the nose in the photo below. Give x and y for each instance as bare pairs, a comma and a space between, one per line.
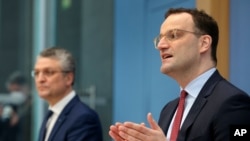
163, 43
40, 77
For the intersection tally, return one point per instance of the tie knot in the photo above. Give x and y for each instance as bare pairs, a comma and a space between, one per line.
183, 94
49, 113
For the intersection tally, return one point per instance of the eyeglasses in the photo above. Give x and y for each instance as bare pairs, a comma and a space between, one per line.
45, 73
173, 35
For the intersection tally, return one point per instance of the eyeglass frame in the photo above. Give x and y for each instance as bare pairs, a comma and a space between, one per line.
46, 73
167, 36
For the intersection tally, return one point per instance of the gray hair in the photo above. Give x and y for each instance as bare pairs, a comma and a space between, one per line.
65, 57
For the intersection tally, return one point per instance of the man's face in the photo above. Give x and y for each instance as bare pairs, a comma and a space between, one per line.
51, 81
179, 51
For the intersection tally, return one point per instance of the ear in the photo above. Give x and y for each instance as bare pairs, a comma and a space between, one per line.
205, 43
69, 78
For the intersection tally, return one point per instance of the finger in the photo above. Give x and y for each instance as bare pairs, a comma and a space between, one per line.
153, 124
114, 132
133, 126
143, 124
113, 128
133, 131
127, 136
115, 136
118, 124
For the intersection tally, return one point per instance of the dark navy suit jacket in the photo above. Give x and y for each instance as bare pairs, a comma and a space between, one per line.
77, 122
218, 106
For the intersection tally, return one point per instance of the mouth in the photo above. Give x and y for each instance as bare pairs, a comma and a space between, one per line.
41, 88
166, 56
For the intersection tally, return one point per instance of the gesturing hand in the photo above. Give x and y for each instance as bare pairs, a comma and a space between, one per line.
129, 131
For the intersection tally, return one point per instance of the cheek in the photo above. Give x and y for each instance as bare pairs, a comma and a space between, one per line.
56, 88
186, 53
60, 84
189, 47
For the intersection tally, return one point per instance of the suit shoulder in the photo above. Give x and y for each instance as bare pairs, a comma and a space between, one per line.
82, 108
230, 89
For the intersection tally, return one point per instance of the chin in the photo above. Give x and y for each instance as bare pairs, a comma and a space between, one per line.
165, 70
43, 95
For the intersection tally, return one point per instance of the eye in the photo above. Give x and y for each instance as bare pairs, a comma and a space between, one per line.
174, 34
48, 72
171, 35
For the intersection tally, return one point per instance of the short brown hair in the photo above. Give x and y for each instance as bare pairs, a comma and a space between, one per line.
204, 23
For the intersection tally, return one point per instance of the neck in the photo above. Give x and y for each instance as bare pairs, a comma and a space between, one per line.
183, 78
55, 100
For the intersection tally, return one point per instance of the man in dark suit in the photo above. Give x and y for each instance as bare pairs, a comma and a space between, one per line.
212, 105
71, 120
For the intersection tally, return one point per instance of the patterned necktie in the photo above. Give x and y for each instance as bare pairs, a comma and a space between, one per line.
178, 116
43, 127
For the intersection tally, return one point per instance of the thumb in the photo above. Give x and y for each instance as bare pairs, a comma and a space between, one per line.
152, 122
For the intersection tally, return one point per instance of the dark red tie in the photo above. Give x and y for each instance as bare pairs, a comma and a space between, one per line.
178, 116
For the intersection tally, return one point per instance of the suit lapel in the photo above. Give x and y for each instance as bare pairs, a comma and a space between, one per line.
57, 126
41, 134
62, 117
199, 103
167, 115
193, 113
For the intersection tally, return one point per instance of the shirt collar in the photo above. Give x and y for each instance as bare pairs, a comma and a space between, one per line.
195, 86
58, 107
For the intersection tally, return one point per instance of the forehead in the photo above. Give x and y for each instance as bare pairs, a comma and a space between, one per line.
45, 63
179, 20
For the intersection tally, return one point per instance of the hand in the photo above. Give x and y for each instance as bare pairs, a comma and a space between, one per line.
114, 132
139, 132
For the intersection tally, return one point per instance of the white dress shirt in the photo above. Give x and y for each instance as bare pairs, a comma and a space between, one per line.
193, 89
57, 109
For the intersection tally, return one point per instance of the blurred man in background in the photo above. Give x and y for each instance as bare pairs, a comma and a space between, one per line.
14, 108
69, 119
